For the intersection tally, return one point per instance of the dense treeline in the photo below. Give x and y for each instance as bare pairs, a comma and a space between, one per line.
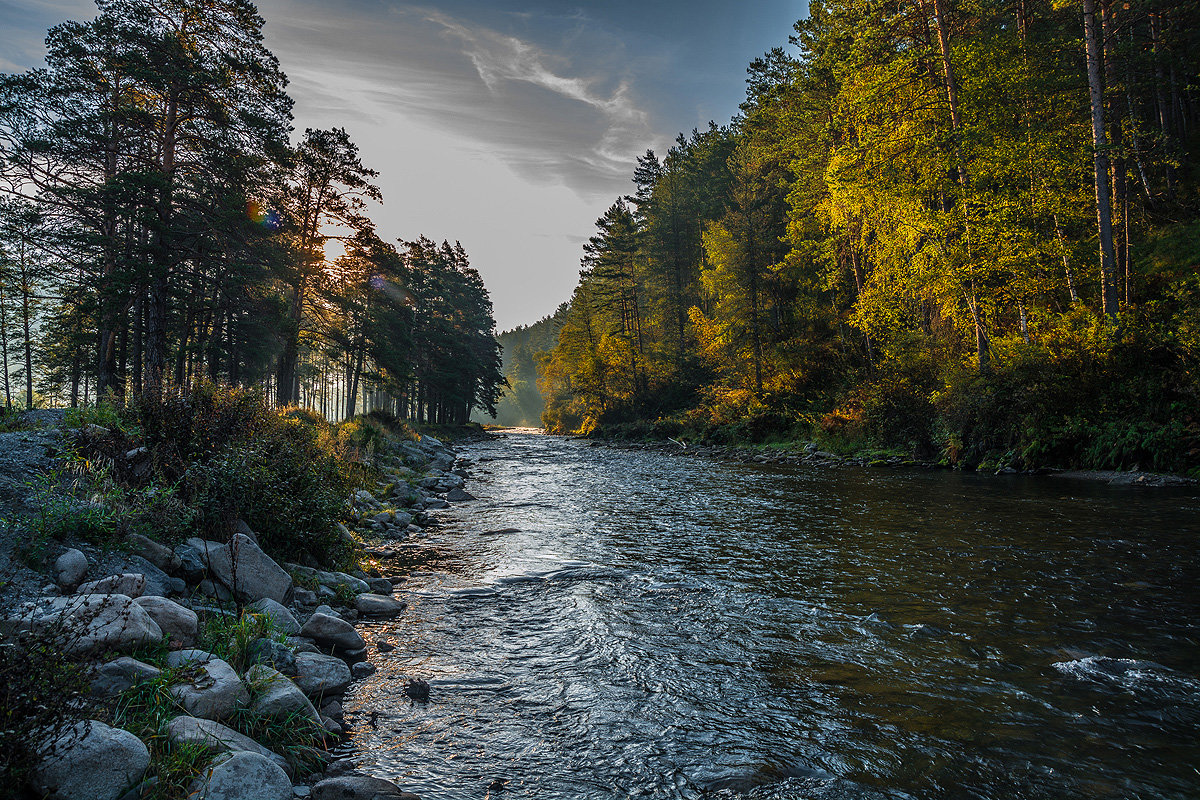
963, 230
158, 227
524, 347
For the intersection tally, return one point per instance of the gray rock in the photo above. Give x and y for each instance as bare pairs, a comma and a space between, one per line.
384, 645
274, 654
156, 553
359, 787
214, 589
244, 776
252, 574
92, 762
278, 612
204, 547
377, 605
458, 495
320, 675
402, 519
436, 502
213, 690
277, 696
362, 669
244, 529
84, 623
324, 609
191, 566
380, 586
333, 709
332, 726
176, 622
304, 597
157, 581
217, 738
70, 568
329, 631
335, 579
120, 675
130, 584
302, 791
302, 644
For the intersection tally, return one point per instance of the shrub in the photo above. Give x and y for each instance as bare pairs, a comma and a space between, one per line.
40, 692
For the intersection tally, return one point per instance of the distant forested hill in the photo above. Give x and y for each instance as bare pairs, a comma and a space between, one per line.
522, 404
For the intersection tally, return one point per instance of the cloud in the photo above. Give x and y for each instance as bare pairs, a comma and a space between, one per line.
553, 97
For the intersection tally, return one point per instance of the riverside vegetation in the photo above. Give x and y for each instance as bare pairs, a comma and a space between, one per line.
206, 558
954, 231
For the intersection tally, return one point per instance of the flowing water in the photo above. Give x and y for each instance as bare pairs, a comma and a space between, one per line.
653, 626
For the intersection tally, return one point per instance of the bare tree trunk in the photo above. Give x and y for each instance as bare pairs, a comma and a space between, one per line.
1093, 39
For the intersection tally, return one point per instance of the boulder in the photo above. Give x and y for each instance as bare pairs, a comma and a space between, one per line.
359, 787
119, 675
244, 775
213, 690
377, 605
304, 597
248, 571
130, 584
178, 623
192, 566
214, 589
380, 585
272, 653
278, 612
88, 622
458, 495
362, 669
218, 738
276, 696
91, 761
70, 568
157, 581
335, 579
319, 675
329, 631
156, 553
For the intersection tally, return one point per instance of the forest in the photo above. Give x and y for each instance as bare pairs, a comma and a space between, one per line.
161, 226
966, 232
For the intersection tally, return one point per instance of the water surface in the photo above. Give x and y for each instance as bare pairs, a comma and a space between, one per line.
669, 627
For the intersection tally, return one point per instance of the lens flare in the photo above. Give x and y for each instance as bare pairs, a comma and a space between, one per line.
268, 218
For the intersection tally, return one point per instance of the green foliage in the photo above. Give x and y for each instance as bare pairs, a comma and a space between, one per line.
228, 635
219, 454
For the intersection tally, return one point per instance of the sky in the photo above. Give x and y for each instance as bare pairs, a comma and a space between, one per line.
508, 125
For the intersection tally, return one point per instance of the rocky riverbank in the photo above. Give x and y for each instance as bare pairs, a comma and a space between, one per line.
216, 653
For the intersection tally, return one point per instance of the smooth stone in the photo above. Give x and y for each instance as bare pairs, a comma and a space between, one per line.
178, 623
305, 597
157, 581
156, 553
214, 589
91, 761
377, 605
218, 738
86, 622
458, 495
359, 787
244, 776
214, 692
384, 645
69, 568
130, 584
278, 612
329, 631
120, 675
248, 571
321, 675
380, 586
362, 669
277, 696
331, 726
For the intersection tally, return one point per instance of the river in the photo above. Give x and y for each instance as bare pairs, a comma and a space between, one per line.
654, 626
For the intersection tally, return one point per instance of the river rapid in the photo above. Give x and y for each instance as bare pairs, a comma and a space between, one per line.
606, 623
